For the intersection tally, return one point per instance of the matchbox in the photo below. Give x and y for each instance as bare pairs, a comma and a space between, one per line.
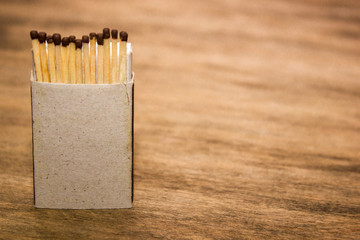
82, 101
82, 145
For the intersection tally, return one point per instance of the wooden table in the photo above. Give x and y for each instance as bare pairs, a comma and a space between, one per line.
247, 119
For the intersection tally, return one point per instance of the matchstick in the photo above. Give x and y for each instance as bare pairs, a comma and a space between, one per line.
65, 60
57, 42
92, 58
86, 60
106, 36
51, 58
43, 57
100, 59
114, 55
72, 64
129, 61
36, 54
123, 57
78, 64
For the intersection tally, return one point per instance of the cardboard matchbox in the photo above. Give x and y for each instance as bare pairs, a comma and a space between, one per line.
83, 144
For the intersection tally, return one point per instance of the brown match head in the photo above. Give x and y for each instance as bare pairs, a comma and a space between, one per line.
100, 38
92, 35
57, 38
78, 43
123, 36
49, 39
114, 34
85, 39
42, 37
106, 33
34, 34
72, 39
65, 41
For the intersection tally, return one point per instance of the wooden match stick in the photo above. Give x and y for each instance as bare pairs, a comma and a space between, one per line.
123, 57
78, 64
57, 42
92, 58
129, 62
114, 55
36, 54
51, 56
65, 60
100, 59
72, 64
86, 60
106, 36
43, 57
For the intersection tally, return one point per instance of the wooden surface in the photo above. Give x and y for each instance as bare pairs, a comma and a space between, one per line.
247, 119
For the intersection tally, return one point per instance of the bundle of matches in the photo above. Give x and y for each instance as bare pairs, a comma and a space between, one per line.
94, 59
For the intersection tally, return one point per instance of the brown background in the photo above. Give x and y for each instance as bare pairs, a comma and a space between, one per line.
246, 119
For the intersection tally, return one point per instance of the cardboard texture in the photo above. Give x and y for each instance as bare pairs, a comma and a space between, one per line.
82, 145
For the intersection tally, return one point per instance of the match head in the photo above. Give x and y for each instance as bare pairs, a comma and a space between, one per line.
100, 38
65, 41
42, 37
72, 39
49, 39
92, 35
34, 34
78, 43
106, 33
85, 39
57, 38
123, 36
114, 34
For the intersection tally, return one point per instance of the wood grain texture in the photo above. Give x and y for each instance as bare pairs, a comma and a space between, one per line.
247, 119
